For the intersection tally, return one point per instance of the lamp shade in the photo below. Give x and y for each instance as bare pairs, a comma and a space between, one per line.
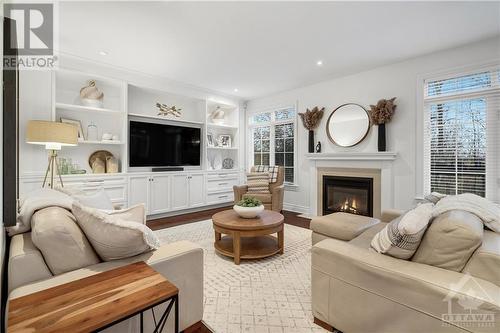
51, 134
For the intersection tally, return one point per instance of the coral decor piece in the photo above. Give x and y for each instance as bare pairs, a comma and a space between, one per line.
383, 111
312, 118
165, 110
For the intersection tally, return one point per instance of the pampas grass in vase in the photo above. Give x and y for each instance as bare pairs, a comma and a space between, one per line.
381, 114
311, 120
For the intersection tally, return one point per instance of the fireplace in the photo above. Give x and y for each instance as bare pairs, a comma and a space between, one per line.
348, 194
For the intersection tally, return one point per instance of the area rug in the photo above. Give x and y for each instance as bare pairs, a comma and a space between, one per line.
258, 296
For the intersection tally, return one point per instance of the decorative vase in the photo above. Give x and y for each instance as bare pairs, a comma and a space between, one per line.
248, 212
311, 141
318, 147
381, 137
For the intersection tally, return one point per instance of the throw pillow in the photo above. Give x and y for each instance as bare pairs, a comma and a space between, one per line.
98, 199
272, 170
258, 182
450, 240
434, 197
64, 247
113, 237
136, 213
401, 237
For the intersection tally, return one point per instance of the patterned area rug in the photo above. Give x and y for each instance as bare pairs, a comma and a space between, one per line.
258, 296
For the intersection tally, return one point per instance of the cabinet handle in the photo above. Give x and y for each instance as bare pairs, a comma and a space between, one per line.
222, 196
223, 183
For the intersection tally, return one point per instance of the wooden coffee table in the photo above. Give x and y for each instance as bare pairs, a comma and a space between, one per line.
248, 238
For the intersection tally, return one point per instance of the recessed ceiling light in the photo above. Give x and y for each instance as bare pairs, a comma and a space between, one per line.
103, 53
235, 89
319, 63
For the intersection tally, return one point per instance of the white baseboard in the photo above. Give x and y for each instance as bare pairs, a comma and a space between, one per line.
295, 208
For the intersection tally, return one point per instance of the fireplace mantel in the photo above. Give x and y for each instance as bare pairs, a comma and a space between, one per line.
346, 163
354, 156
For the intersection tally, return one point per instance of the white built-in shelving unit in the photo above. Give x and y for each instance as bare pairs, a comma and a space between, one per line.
162, 192
111, 118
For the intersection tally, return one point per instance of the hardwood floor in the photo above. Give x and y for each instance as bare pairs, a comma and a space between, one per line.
172, 221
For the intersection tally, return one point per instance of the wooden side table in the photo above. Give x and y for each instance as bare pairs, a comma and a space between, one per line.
96, 302
248, 238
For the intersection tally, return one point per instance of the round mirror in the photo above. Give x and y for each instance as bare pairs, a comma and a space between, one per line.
348, 125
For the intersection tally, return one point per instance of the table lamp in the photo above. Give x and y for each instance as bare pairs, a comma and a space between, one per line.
53, 135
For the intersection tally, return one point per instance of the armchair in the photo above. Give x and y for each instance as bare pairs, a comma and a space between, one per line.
272, 201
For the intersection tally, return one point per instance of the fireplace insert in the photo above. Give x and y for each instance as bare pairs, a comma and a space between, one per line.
348, 194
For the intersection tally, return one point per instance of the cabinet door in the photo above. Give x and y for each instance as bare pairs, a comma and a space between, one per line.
196, 190
138, 191
179, 191
160, 194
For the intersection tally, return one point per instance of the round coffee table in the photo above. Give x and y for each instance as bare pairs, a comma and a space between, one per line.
248, 238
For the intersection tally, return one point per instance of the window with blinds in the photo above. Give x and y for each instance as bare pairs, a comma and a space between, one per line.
461, 134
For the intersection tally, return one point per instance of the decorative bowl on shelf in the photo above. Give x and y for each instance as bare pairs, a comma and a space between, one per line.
248, 208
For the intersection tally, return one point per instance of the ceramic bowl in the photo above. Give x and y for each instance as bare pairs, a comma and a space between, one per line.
248, 212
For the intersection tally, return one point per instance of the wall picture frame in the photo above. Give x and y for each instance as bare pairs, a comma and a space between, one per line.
225, 140
76, 123
210, 140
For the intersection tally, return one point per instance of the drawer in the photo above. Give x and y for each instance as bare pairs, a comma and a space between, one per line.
221, 184
220, 197
222, 175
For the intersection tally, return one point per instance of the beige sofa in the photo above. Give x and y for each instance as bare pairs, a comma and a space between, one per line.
180, 262
272, 201
355, 289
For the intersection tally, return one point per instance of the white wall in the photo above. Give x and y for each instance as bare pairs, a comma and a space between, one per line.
365, 88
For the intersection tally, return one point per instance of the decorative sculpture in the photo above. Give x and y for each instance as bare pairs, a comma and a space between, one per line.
165, 110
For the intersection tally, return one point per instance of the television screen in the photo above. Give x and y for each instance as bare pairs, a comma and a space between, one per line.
160, 145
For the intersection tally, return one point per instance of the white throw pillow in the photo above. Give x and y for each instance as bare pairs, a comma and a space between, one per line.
113, 237
401, 237
135, 213
98, 199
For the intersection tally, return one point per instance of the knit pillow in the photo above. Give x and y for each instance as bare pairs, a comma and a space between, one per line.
401, 237
258, 182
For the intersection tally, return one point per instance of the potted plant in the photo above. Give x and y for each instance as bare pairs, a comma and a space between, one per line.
311, 120
382, 114
248, 208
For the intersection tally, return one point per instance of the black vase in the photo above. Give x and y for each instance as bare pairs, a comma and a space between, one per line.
381, 137
311, 141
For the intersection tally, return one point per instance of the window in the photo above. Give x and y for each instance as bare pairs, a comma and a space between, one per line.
273, 140
461, 134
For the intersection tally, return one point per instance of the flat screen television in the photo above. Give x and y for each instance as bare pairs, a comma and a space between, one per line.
162, 145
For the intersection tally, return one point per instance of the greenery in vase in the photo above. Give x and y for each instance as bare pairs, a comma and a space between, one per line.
249, 202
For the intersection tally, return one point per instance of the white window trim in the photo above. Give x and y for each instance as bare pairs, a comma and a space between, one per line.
249, 151
420, 114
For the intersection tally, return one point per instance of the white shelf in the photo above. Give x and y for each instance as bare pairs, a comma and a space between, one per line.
98, 142
166, 119
79, 108
223, 148
212, 125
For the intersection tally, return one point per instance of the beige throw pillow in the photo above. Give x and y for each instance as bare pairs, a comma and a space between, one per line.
114, 237
450, 240
401, 237
258, 182
136, 213
64, 247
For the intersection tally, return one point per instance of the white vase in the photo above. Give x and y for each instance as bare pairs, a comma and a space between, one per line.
248, 212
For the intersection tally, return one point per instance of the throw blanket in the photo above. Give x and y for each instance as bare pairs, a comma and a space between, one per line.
486, 210
34, 201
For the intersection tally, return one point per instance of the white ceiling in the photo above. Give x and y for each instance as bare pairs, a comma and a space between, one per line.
261, 48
